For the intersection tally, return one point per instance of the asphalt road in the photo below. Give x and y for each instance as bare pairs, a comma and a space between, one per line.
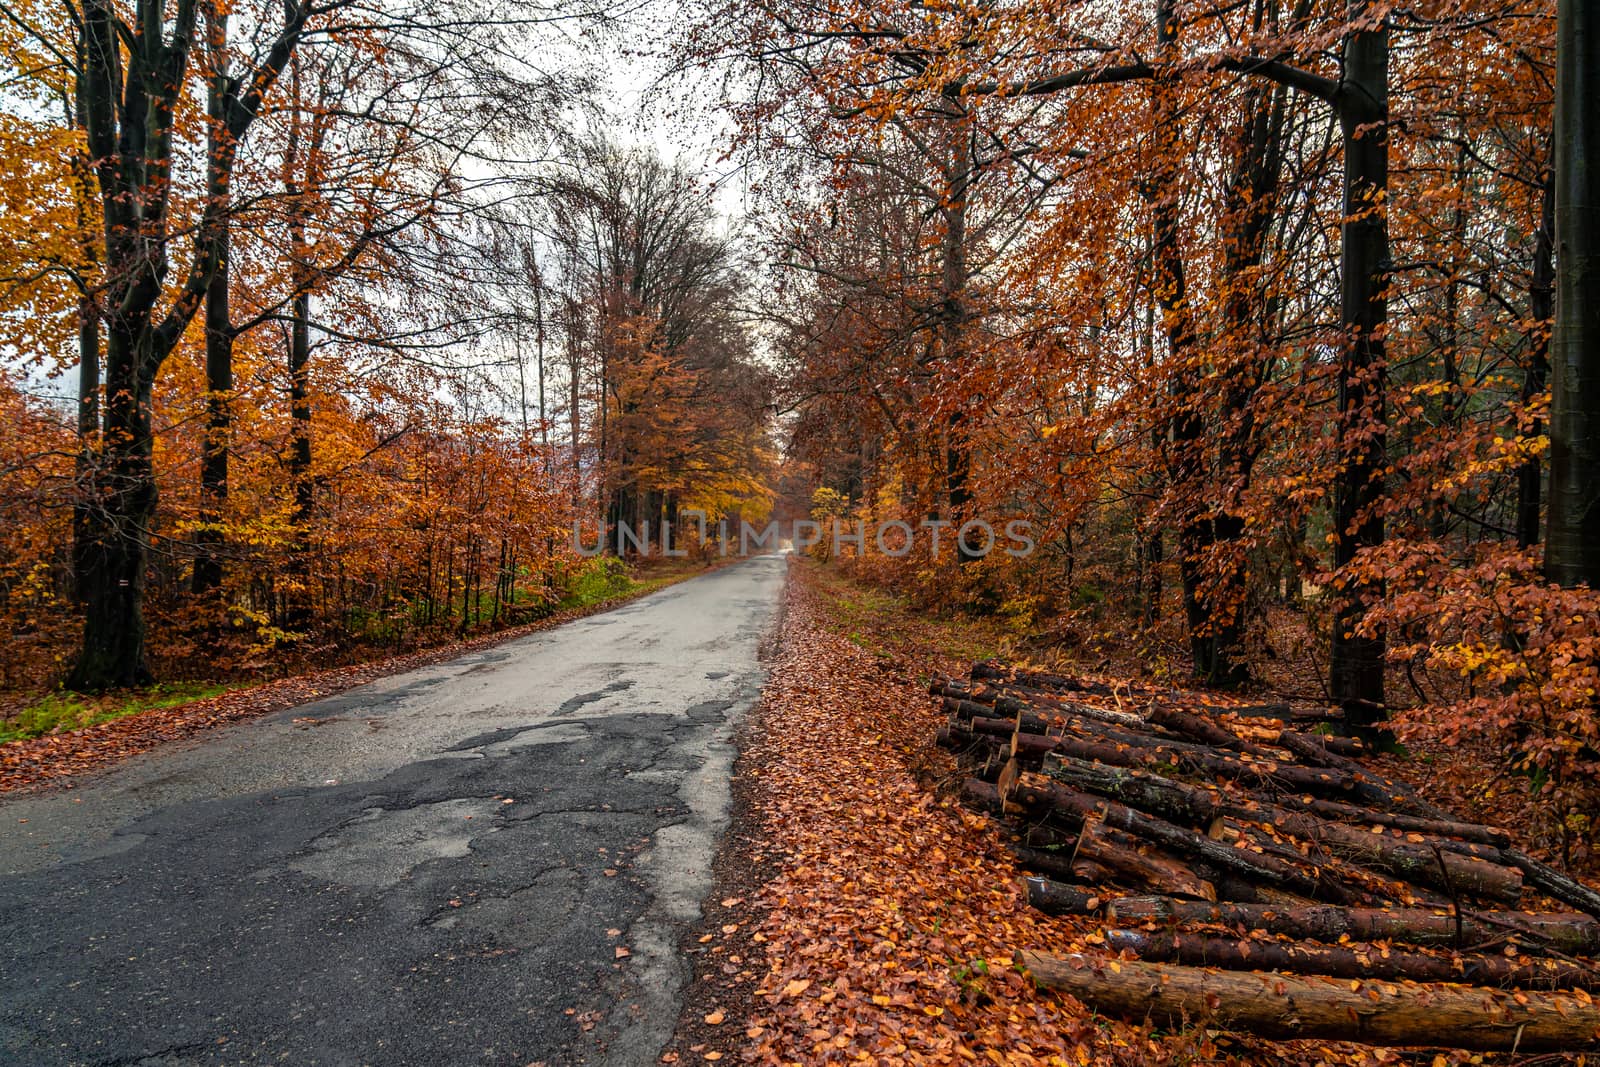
439, 868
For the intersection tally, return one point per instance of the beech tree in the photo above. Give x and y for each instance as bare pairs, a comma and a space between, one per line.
133, 77
1573, 554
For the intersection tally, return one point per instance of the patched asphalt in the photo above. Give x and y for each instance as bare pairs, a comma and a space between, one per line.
438, 868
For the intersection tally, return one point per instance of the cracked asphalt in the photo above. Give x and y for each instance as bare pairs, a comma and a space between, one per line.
438, 868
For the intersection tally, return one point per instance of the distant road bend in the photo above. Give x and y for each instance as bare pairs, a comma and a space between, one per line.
488, 861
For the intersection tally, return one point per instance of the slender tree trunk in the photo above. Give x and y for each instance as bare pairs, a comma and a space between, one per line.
1450, 349
86, 560
1572, 552
219, 348
219, 420
1541, 305
952, 328
575, 403
1185, 439
300, 478
1356, 667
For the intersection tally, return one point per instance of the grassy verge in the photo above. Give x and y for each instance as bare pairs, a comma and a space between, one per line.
64, 711
889, 626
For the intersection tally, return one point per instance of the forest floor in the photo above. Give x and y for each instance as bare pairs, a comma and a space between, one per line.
54, 736
862, 914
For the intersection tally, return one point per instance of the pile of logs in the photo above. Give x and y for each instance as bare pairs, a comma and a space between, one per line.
1251, 873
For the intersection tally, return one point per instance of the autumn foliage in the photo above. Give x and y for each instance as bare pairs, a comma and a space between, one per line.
1247, 308
312, 353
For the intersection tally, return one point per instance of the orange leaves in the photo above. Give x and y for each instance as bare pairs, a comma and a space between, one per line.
889, 931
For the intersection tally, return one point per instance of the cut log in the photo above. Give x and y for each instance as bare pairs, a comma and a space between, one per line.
1036, 682
1121, 854
1262, 773
989, 768
1058, 898
1353, 813
986, 726
995, 672
1363, 884
1076, 806
981, 796
1202, 729
994, 703
981, 717
1369, 787
1441, 868
1566, 932
1140, 789
1321, 744
954, 738
1546, 879
1203, 950
1062, 707
1438, 868
1286, 1006
1061, 866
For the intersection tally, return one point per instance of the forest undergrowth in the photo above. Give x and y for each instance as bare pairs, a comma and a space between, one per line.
888, 926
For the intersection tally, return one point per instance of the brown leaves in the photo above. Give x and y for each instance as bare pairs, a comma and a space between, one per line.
889, 930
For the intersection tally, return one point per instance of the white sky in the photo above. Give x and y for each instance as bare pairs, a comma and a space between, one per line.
679, 118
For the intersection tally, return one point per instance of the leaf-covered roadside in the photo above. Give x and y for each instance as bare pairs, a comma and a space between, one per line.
57, 757
891, 920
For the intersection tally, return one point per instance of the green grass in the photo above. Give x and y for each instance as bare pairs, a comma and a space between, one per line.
887, 624
72, 711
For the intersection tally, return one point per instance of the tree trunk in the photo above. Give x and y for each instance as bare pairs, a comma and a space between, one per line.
1356, 667
1057, 898
219, 346
1147, 792
952, 328
1286, 1006
113, 652
1572, 551
86, 560
1541, 306
1353, 962
298, 613
1121, 854
1570, 933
